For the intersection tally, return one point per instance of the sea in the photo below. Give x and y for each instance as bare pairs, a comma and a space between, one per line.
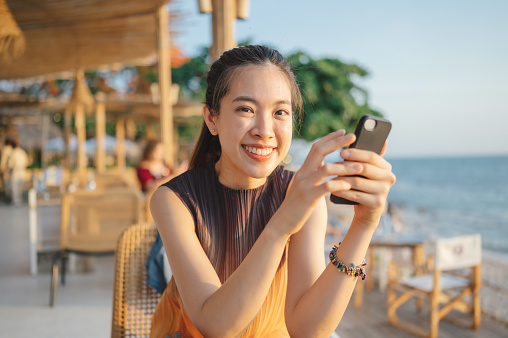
446, 197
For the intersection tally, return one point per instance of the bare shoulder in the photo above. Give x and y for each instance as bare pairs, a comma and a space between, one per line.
167, 209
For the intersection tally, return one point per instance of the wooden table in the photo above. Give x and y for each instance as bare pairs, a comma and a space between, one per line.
414, 241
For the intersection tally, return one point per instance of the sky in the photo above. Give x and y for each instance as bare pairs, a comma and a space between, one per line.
438, 69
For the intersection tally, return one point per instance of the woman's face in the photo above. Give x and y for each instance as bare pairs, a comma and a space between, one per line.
158, 152
254, 126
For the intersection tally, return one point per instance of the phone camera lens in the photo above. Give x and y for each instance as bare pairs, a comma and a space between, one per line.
370, 124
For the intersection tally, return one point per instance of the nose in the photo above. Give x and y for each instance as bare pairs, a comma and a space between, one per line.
263, 126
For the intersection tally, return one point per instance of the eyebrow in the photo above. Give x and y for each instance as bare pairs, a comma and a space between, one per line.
250, 99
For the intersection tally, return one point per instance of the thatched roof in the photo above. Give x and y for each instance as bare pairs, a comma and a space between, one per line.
70, 34
139, 109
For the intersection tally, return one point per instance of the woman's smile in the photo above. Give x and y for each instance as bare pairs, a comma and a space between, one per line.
259, 153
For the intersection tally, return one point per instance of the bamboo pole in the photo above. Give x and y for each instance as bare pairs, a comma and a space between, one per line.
44, 139
150, 132
67, 137
100, 134
81, 136
120, 145
223, 17
166, 108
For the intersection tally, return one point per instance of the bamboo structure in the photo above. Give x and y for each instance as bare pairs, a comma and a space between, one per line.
64, 35
12, 39
224, 13
166, 111
100, 134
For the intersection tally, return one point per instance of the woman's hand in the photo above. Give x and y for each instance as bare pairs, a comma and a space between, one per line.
309, 185
371, 188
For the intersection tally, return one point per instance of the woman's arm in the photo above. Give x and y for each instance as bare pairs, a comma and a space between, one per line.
316, 303
215, 309
228, 309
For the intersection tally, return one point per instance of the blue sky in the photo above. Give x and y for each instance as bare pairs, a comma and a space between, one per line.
438, 69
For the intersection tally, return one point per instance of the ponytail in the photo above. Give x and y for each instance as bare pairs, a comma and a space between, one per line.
207, 149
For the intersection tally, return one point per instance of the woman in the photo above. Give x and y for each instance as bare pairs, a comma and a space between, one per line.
244, 237
152, 170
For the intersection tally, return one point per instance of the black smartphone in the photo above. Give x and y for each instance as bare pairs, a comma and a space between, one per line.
371, 134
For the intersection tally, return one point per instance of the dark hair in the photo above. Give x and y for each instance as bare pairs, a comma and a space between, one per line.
218, 79
150, 146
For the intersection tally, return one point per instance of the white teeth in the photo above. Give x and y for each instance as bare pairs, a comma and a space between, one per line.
259, 151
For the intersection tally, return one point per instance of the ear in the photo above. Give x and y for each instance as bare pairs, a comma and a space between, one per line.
210, 120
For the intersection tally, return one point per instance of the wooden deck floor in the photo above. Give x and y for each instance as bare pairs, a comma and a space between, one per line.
370, 320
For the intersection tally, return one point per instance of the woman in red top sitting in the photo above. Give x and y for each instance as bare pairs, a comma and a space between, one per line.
152, 170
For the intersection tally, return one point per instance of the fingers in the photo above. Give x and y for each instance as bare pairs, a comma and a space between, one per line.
371, 188
341, 169
317, 182
328, 144
383, 151
374, 201
365, 156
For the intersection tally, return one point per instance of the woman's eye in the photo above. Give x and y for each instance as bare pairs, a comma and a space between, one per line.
244, 110
282, 112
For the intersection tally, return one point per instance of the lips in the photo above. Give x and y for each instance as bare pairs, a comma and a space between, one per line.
259, 151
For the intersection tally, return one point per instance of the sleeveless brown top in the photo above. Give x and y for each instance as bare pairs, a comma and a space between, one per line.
227, 223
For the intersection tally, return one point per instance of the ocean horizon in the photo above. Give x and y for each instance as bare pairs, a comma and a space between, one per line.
451, 196
445, 196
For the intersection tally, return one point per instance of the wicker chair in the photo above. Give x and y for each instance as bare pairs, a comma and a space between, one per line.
91, 223
133, 301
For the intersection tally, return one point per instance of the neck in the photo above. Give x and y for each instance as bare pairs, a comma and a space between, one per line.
232, 179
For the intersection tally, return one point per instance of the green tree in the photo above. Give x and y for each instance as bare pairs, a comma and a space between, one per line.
191, 76
331, 100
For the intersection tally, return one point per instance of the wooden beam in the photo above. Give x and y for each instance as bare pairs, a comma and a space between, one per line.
150, 132
120, 145
100, 135
67, 137
45, 134
205, 6
81, 136
166, 109
242, 11
223, 16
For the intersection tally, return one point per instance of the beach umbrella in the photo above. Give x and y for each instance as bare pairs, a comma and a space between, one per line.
132, 149
57, 145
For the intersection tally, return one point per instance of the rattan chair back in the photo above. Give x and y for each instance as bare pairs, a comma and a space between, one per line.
133, 301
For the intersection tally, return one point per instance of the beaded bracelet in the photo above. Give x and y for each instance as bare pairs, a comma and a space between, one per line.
353, 270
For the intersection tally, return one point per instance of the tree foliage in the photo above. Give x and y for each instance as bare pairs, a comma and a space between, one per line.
191, 76
331, 99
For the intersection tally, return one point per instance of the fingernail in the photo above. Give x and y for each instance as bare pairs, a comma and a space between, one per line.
345, 153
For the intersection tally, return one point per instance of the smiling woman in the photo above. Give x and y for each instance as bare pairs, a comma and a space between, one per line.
243, 236
254, 126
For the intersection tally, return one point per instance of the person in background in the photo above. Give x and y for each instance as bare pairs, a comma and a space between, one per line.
152, 171
4, 174
16, 168
245, 237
